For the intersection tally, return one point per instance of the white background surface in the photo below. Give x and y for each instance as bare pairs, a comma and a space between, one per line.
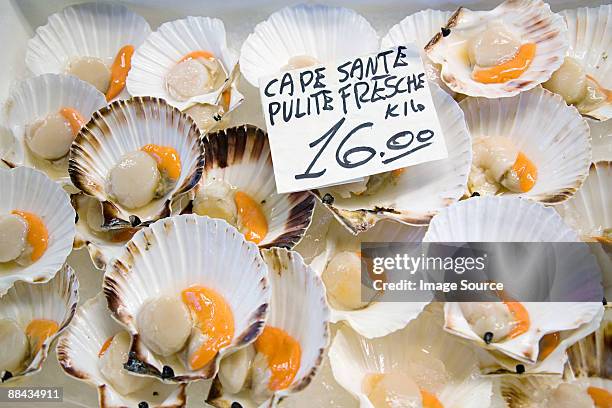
19, 19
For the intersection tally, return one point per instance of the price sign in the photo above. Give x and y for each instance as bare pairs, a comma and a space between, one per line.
331, 124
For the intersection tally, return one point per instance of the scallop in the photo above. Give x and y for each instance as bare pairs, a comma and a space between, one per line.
37, 227
214, 293
500, 52
187, 63
44, 115
286, 357
238, 186
94, 349
92, 41
137, 157
31, 317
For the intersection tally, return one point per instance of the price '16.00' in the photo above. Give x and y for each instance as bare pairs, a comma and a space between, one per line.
398, 145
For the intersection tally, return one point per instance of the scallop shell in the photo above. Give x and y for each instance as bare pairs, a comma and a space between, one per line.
559, 146
241, 157
209, 252
378, 318
554, 363
23, 188
494, 219
298, 307
422, 190
353, 357
54, 300
96, 29
601, 139
78, 353
589, 212
100, 245
125, 126
35, 98
419, 28
167, 45
590, 42
325, 33
537, 23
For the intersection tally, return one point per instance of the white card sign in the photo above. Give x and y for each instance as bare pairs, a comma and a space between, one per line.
334, 123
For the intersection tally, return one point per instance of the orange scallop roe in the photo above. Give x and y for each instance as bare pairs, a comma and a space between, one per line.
521, 318
74, 118
105, 346
214, 318
605, 91
123, 235
253, 222
38, 236
40, 330
548, 344
283, 353
167, 159
198, 54
526, 171
508, 70
119, 71
430, 400
601, 397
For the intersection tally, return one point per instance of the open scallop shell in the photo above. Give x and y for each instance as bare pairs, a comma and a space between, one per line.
54, 300
125, 126
34, 99
421, 190
377, 318
299, 308
78, 354
419, 28
601, 139
532, 18
325, 33
167, 45
26, 189
103, 246
240, 156
353, 357
499, 219
590, 43
588, 366
589, 212
96, 29
559, 146
173, 254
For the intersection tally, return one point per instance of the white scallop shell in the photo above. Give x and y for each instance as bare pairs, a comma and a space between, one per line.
298, 306
419, 28
26, 189
125, 126
167, 45
589, 211
169, 256
554, 363
102, 249
34, 99
590, 42
241, 157
78, 350
353, 357
378, 318
499, 219
559, 146
326, 33
422, 190
54, 300
96, 29
532, 18
601, 139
